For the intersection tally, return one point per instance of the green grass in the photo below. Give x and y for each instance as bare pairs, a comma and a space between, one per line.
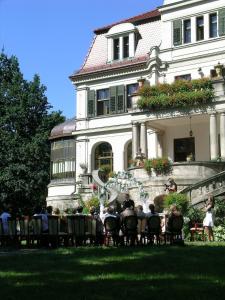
195, 271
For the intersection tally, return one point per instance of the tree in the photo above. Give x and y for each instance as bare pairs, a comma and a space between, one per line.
25, 125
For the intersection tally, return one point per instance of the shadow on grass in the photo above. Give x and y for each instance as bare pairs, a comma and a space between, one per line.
190, 272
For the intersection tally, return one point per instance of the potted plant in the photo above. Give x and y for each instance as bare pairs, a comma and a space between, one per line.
190, 157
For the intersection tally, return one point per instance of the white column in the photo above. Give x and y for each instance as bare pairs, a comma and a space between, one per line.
206, 26
159, 150
213, 137
193, 29
222, 135
90, 163
131, 44
135, 141
143, 139
121, 47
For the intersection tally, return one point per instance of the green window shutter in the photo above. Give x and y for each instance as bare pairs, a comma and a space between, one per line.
112, 102
120, 98
177, 32
221, 15
91, 103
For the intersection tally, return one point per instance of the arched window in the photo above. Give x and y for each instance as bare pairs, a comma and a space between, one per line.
104, 157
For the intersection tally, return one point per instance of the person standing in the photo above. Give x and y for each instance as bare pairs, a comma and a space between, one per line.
208, 221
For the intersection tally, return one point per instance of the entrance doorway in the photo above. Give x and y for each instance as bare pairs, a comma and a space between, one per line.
184, 147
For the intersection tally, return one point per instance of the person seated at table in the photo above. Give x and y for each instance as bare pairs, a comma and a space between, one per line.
99, 225
174, 212
40, 212
49, 210
56, 212
152, 211
139, 211
128, 210
4, 216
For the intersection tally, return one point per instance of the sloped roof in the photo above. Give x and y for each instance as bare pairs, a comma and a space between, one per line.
64, 129
136, 20
149, 29
112, 66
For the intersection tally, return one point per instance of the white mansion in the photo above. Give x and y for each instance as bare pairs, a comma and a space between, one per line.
182, 39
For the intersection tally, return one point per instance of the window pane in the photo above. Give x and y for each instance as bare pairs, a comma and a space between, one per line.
183, 77
126, 47
103, 94
187, 31
200, 28
213, 25
131, 88
116, 49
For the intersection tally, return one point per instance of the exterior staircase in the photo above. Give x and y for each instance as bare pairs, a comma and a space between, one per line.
198, 193
113, 193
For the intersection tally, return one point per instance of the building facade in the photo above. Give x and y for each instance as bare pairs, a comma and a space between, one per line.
179, 40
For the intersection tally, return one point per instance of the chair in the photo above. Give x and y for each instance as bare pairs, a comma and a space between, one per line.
53, 231
11, 235
35, 230
111, 226
141, 231
90, 229
197, 231
154, 229
1, 233
24, 233
130, 230
174, 229
79, 229
69, 222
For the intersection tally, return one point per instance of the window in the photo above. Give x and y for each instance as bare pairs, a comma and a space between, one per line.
116, 49
183, 77
200, 28
103, 102
131, 88
125, 46
187, 31
177, 32
221, 21
106, 101
213, 25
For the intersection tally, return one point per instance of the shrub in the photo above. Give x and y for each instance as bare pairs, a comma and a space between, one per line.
181, 93
179, 200
159, 203
94, 201
219, 233
195, 215
219, 210
161, 166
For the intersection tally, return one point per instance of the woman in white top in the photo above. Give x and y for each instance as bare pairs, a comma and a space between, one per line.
208, 221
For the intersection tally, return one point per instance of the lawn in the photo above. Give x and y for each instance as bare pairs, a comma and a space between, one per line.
195, 271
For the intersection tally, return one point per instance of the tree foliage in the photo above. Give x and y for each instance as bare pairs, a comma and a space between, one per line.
25, 125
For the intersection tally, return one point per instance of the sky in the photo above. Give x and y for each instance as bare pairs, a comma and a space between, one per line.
52, 37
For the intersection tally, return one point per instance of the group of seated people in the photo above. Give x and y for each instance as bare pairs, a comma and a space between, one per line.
128, 209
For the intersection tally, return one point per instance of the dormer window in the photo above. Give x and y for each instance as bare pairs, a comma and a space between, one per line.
121, 42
